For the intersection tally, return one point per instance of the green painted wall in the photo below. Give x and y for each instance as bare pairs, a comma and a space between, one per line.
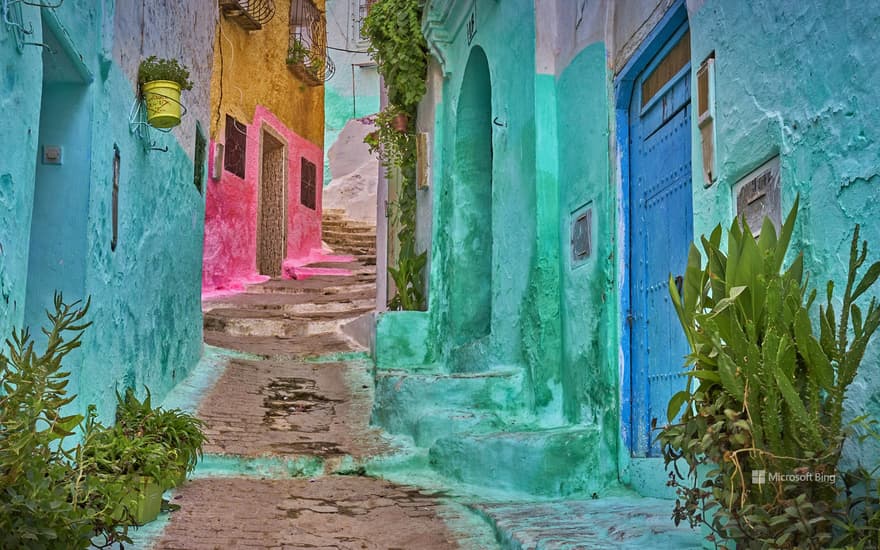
589, 299
145, 294
511, 71
798, 80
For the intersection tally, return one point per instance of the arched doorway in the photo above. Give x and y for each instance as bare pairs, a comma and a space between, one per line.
470, 282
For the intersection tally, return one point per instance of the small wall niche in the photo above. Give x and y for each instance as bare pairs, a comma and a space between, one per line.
581, 234
758, 195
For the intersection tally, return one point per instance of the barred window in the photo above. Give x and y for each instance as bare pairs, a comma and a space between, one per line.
363, 10
235, 151
308, 180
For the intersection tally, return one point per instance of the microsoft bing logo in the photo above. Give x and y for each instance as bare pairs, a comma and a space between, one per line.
759, 477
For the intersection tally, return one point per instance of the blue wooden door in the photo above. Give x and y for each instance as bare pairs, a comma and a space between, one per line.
660, 232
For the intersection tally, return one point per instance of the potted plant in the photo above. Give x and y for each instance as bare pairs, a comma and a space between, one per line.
765, 392
161, 82
177, 430
132, 469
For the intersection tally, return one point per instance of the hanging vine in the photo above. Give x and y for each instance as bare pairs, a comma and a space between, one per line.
399, 48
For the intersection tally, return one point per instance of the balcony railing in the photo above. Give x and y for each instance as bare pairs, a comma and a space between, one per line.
307, 48
249, 14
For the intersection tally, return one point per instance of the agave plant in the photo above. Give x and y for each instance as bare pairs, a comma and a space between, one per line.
765, 389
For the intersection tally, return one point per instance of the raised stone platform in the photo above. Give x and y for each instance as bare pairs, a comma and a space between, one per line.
603, 524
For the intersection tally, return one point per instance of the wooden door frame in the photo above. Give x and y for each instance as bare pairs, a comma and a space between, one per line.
274, 134
624, 84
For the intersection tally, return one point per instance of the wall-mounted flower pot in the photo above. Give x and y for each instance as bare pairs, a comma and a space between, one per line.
143, 500
401, 122
162, 98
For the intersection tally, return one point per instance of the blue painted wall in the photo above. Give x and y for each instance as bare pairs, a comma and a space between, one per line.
61, 202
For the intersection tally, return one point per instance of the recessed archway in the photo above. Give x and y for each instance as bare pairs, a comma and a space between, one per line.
471, 228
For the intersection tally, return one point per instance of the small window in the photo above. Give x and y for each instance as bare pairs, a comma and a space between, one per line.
236, 147
363, 10
200, 155
115, 200
308, 178
677, 58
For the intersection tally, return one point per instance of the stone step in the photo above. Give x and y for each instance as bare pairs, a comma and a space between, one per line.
404, 398
237, 322
555, 462
355, 250
434, 424
337, 237
341, 290
346, 226
333, 212
302, 308
280, 346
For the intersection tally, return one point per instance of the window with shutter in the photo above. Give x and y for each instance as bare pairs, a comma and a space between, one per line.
235, 151
308, 179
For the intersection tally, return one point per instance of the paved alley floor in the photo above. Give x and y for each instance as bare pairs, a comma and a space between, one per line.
283, 406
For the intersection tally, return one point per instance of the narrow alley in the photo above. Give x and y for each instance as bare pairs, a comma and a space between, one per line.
292, 461
439, 274
292, 403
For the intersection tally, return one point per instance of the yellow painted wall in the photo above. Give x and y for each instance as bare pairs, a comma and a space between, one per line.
250, 69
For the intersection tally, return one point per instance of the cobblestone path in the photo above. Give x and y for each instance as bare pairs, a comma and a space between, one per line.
280, 406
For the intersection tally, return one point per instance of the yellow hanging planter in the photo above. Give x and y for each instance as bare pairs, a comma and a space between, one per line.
162, 98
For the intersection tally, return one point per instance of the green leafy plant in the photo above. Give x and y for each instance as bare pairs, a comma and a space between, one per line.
401, 53
153, 68
399, 48
46, 501
297, 53
764, 390
179, 432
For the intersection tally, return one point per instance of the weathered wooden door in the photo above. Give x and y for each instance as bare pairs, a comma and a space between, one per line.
660, 232
271, 240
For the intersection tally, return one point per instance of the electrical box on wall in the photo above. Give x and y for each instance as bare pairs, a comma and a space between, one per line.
706, 117
217, 165
758, 195
53, 154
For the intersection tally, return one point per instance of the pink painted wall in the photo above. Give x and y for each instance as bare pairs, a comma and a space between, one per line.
230, 256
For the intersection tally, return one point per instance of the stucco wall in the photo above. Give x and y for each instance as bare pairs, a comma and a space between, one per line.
778, 93
20, 93
252, 83
232, 209
145, 294
250, 69
353, 92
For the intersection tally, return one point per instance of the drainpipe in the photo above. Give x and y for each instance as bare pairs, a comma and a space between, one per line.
382, 223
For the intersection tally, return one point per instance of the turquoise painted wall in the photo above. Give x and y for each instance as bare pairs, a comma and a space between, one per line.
589, 299
61, 202
800, 80
20, 93
506, 33
145, 294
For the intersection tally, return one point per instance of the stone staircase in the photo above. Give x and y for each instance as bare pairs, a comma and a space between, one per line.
476, 429
293, 317
349, 237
